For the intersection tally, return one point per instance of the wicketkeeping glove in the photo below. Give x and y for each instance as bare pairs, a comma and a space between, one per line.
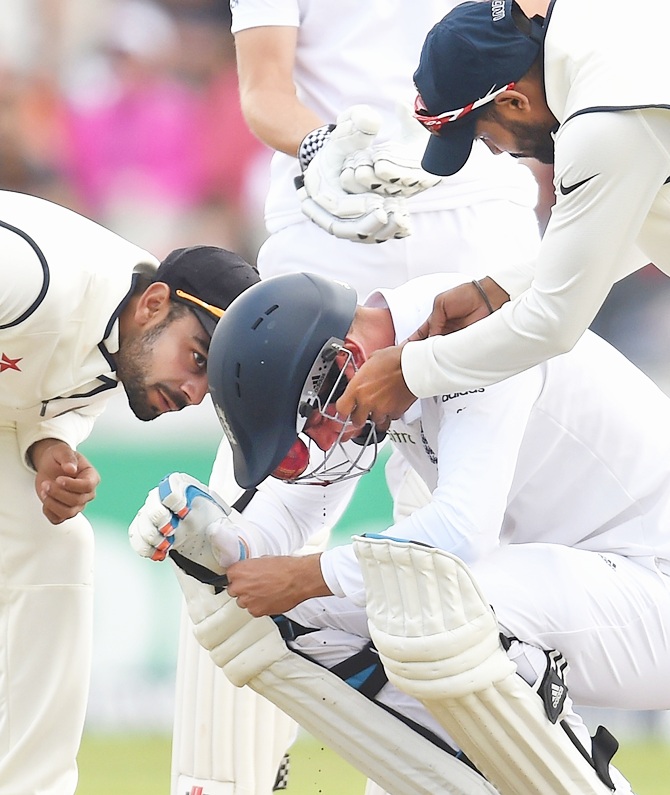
182, 514
392, 168
362, 216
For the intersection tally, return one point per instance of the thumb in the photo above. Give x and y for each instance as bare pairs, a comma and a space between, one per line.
355, 129
66, 458
422, 333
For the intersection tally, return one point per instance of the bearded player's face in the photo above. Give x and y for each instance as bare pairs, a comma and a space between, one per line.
521, 139
164, 367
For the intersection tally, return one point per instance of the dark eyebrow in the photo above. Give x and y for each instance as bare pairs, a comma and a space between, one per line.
202, 341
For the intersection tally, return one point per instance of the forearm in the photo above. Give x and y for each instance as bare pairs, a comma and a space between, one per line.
268, 96
307, 578
279, 121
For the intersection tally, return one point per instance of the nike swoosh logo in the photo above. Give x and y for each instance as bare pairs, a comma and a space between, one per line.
566, 189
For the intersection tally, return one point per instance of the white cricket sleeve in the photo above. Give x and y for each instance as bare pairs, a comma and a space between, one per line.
605, 192
473, 462
281, 517
72, 428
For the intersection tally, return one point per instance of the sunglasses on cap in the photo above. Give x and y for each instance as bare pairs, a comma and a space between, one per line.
434, 124
191, 299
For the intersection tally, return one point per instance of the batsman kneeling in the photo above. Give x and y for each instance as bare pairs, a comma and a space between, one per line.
389, 648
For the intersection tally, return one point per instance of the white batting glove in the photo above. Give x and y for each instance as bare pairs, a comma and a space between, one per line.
399, 223
182, 514
392, 168
360, 217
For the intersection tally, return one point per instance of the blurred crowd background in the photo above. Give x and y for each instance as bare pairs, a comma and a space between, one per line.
127, 112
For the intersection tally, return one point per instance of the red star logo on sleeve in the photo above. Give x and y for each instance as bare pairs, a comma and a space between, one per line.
9, 364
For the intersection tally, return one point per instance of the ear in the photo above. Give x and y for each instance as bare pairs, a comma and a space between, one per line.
356, 351
153, 305
512, 102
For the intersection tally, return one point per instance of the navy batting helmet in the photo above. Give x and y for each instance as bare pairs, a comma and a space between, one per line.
262, 354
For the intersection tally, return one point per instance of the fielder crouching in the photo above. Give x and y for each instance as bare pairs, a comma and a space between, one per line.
538, 509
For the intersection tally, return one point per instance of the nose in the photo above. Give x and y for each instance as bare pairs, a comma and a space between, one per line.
195, 389
323, 437
321, 431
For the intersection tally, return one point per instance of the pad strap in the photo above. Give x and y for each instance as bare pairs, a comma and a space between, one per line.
603, 747
552, 689
363, 671
290, 629
200, 572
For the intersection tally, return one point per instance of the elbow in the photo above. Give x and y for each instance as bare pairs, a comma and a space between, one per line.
481, 545
249, 116
249, 105
475, 542
565, 339
553, 331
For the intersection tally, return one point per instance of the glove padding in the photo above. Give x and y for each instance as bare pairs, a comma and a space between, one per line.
362, 216
392, 168
364, 229
182, 514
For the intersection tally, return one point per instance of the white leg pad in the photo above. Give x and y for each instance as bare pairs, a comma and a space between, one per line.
373, 789
251, 652
227, 740
439, 642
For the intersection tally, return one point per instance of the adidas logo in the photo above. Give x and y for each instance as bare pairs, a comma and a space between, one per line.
556, 694
317, 380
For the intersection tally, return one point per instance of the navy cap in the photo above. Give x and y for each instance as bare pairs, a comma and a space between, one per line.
207, 279
476, 51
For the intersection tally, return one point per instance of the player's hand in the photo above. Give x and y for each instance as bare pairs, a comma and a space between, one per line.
378, 391
460, 307
272, 585
392, 168
362, 217
182, 514
65, 481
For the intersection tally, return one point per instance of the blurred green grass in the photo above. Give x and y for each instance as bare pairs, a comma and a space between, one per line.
140, 765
